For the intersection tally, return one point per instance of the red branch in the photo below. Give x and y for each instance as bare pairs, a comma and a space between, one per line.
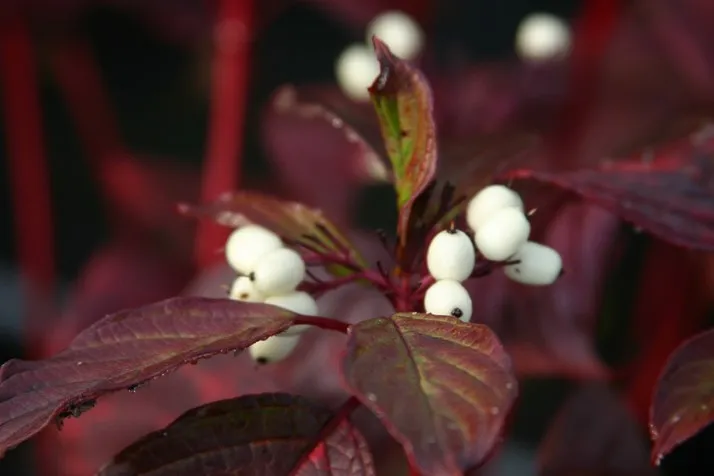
342, 414
29, 178
229, 88
323, 323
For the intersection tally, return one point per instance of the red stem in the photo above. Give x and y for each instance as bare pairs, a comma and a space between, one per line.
29, 178
229, 89
323, 323
342, 414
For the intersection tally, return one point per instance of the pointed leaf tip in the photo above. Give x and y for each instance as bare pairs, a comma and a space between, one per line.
122, 351
404, 104
267, 434
683, 400
443, 388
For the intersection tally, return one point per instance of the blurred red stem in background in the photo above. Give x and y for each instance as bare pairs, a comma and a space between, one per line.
229, 88
80, 81
592, 32
28, 168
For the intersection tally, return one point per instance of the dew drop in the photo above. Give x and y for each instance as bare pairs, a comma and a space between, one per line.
509, 386
704, 407
675, 419
494, 411
371, 397
654, 434
165, 433
80, 363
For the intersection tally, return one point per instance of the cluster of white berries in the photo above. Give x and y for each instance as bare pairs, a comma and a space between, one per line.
357, 66
501, 230
270, 273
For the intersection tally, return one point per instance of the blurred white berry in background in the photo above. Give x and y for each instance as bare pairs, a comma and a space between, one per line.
273, 349
542, 36
399, 31
539, 265
248, 245
243, 289
279, 272
355, 70
448, 298
298, 302
451, 255
501, 236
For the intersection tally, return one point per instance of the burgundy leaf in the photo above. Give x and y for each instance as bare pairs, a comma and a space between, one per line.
122, 351
672, 197
403, 101
322, 160
293, 221
266, 434
594, 434
441, 387
683, 401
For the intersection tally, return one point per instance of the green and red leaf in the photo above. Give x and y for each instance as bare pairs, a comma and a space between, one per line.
268, 434
293, 221
122, 351
403, 101
443, 388
683, 401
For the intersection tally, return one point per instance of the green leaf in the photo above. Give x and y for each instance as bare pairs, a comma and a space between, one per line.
403, 101
253, 435
441, 387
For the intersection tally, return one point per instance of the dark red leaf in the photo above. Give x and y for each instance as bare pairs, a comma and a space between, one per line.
441, 387
683, 401
671, 197
124, 350
266, 434
594, 434
293, 221
322, 160
403, 101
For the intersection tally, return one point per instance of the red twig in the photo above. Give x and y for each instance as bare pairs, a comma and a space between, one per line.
323, 323
29, 179
342, 414
229, 87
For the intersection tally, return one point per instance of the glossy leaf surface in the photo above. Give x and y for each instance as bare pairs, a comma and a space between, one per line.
293, 221
683, 401
668, 192
594, 434
268, 435
403, 101
122, 351
441, 387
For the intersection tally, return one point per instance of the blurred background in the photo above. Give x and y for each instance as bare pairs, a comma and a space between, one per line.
108, 119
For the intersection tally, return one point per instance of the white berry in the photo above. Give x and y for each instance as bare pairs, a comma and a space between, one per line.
448, 298
542, 36
356, 69
451, 255
273, 349
488, 201
248, 244
503, 234
279, 272
243, 289
298, 302
399, 31
539, 265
